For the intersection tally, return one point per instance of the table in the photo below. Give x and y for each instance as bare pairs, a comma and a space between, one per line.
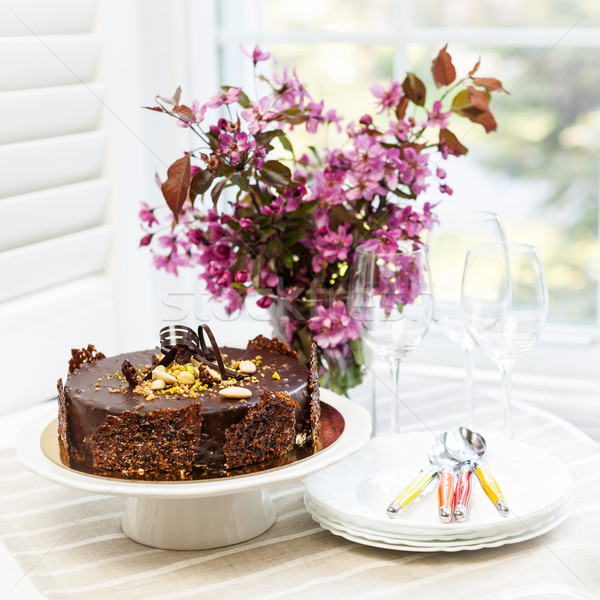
69, 545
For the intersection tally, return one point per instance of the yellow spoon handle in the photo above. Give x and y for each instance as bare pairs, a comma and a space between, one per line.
410, 491
492, 489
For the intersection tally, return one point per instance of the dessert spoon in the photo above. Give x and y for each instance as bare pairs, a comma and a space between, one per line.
442, 464
469, 447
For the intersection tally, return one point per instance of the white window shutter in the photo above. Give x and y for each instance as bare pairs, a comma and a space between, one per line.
55, 238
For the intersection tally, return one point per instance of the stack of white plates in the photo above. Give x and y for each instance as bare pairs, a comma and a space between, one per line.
350, 498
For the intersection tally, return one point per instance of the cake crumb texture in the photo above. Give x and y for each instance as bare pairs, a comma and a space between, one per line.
274, 345
154, 442
268, 429
315, 398
64, 441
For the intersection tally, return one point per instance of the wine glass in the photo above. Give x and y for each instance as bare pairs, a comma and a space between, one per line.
390, 299
448, 245
504, 305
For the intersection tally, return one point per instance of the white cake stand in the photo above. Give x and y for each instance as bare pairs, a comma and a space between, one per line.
201, 514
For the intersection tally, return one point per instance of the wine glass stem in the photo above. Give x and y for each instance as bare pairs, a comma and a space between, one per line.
469, 384
395, 372
374, 430
506, 371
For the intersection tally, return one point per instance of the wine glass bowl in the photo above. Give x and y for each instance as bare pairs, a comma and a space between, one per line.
390, 300
504, 304
448, 245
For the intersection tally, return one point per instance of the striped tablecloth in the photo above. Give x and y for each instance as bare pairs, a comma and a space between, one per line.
69, 545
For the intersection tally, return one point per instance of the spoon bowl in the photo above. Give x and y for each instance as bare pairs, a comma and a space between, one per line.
470, 448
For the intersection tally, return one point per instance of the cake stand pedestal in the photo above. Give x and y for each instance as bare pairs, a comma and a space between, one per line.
198, 523
199, 514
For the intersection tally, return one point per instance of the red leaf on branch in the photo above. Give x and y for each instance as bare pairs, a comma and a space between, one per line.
475, 68
451, 141
477, 98
481, 117
175, 189
276, 174
463, 105
156, 108
414, 89
216, 192
174, 100
401, 108
490, 84
184, 113
442, 68
487, 121
200, 183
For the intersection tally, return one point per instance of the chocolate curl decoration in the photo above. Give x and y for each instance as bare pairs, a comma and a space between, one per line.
173, 335
216, 351
131, 373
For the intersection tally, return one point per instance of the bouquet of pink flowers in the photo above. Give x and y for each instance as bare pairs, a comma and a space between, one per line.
256, 219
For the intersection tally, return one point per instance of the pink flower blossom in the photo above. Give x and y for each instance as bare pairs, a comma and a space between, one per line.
331, 246
264, 302
327, 188
195, 236
236, 147
414, 171
241, 276
268, 279
257, 54
171, 262
145, 241
231, 299
332, 326
384, 242
226, 96
315, 111
387, 98
399, 129
331, 116
146, 214
437, 117
198, 113
258, 115
289, 91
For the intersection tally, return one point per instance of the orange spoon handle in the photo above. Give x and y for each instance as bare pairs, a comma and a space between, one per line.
462, 493
445, 496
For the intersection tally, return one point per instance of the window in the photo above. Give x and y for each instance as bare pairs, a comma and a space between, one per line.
540, 170
77, 153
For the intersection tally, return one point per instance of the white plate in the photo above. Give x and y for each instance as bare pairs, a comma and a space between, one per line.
405, 534
441, 542
359, 489
476, 545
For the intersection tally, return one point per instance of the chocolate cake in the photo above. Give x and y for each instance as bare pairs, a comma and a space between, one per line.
184, 411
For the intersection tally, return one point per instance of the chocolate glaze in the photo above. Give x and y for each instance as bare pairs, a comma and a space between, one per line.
89, 400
